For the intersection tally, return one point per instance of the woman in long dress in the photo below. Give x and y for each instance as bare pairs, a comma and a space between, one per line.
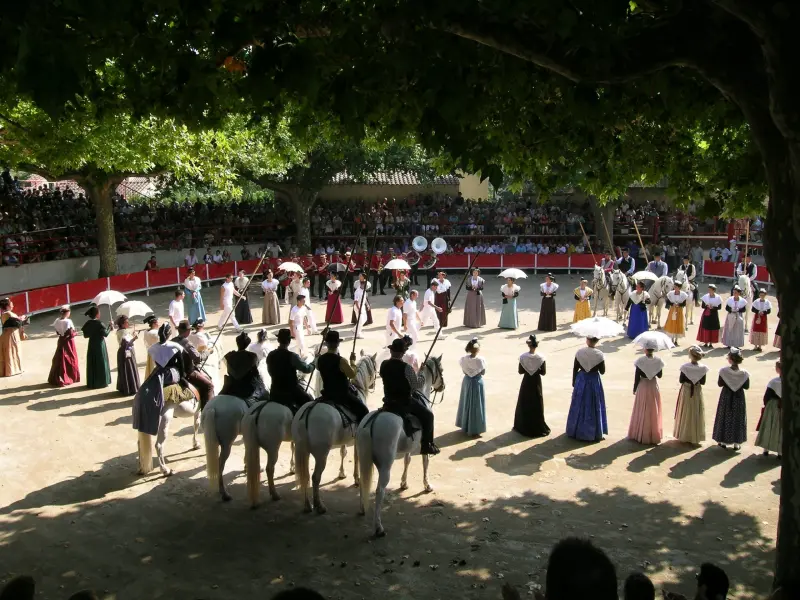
646, 426
150, 337
200, 339
442, 298
638, 321
759, 331
587, 411
261, 347
529, 415
471, 415
583, 301
475, 309
65, 369
690, 411
508, 315
10, 361
547, 313
711, 303
333, 312
733, 332
98, 373
271, 309
676, 303
194, 298
402, 285
730, 425
127, 371
242, 313
770, 429
776, 341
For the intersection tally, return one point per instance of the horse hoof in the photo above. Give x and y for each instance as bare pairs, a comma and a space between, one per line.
427, 489
141, 473
168, 473
403, 486
341, 476
226, 497
307, 509
362, 512
321, 510
356, 484
380, 533
275, 496
291, 471
196, 447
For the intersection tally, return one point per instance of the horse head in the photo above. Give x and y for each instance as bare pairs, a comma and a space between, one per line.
366, 372
744, 283
434, 366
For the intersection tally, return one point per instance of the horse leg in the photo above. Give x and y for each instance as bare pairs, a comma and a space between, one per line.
425, 485
291, 461
316, 478
272, 459
404, 478
163, 432
224, 453
195, 445
380, 492
343, 452
356, 476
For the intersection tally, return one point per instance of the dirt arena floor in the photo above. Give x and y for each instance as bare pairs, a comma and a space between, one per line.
75, 515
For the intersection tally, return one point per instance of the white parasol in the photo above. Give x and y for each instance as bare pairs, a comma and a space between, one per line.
397, 264
645, 275
290, 267
134, 308
654, 339
597, 327
337, 267
513, 274
108, 297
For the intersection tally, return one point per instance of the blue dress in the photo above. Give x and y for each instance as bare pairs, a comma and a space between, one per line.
508, 316
194, 303
471, 415
638, 321
587, 411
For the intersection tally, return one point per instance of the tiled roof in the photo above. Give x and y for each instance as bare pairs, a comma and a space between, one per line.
395, 178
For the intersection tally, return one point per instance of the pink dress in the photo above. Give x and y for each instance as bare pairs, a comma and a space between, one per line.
646, 421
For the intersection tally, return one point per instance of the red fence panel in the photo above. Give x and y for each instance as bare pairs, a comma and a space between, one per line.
452, 261
519, 261
130, 282
248, 265
163, 277
84, 291
20, 304
489, 261
718, 269
220, 271
47, 298
582, 261
552, 261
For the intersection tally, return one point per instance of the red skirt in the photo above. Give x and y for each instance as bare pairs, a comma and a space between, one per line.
708, 336
441, 300
334, 314
759, 327
65, 369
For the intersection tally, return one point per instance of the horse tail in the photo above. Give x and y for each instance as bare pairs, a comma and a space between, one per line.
301, 463
252, 458
365, 462
145, 453
209, 418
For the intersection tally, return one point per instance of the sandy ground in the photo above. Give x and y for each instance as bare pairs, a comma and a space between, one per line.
75, 514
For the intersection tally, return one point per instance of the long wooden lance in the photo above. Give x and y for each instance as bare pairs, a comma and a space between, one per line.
361, 304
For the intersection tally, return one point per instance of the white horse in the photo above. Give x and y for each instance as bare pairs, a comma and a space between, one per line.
317, 429
620, 288
680, 277
601, 289
187, 409
381, 440
222, 424
747, 294
658, 295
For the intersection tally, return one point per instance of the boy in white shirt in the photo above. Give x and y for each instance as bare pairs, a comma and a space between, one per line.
411, 320
429, 308
176, 309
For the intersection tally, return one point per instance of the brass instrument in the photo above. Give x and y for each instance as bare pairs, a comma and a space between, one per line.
412, 258
431, 262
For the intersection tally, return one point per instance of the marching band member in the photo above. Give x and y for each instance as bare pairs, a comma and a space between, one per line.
298, 319
430, 311
243, 314
413, 258
322, 276
676, 301
587, 419
411, 319
508, 316
474, 309
361, 316
730, 424
733, 332
583, 300
711, 303
691, 273
626, 263
690, 412
65, 369
638, 321
376, 267
646, 425
333, 313
227, 291
270, 310
394, 320
759, 332
310, 268
770, 427
429, 261
194, 299
547, 313
443, 298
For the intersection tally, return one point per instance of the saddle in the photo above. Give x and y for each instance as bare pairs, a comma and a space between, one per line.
411, 424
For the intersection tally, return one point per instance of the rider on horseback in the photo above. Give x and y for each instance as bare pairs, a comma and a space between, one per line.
336, 373
243, 379
283, 365
691, 273
401, 392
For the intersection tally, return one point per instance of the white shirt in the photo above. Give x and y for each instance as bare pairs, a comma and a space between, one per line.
176, 311
444, 285
241, 282
429, 298
227, 292
297, 315
509, 290
218, 258
191, 260
410, 310
395, 315
332, 285
63, 325
269, 286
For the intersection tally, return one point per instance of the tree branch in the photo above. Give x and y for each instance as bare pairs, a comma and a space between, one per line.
751, 12
267, 182
48, 174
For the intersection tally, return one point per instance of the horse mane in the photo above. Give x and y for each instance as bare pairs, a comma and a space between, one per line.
365, 375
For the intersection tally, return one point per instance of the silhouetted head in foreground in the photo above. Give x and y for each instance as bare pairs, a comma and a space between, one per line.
577, 569
298, 594
639, 587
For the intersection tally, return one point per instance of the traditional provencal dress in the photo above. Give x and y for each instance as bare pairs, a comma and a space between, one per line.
529, 416
508, 316
366, 312
776, 342
583, 300
708, 333
770, 430
475, 309
98, 374
675, 325
646, 426
587, 411
271, 309
471, 415
442, 300
65, 369
333, 312
759, 331
10, 362
127, 371
730, 425
194, 299
733, 332
243, 314
547, 312
690, 412
638, 321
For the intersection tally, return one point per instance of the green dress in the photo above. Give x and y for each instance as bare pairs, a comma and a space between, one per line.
402, 289
98, 374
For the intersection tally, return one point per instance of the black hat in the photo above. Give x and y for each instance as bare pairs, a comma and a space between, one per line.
243, 340
92, 312
657, 253
184, 325
284, 336
150, 319
332, 338
686, 257
398, 345
626, 249
199, 323
408, 341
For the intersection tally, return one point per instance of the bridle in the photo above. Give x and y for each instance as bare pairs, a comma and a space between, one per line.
435, 390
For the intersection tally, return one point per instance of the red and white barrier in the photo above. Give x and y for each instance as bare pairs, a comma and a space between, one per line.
725, 270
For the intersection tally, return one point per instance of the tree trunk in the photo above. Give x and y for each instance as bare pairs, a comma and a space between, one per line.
302, 201
603, 212
99, 191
